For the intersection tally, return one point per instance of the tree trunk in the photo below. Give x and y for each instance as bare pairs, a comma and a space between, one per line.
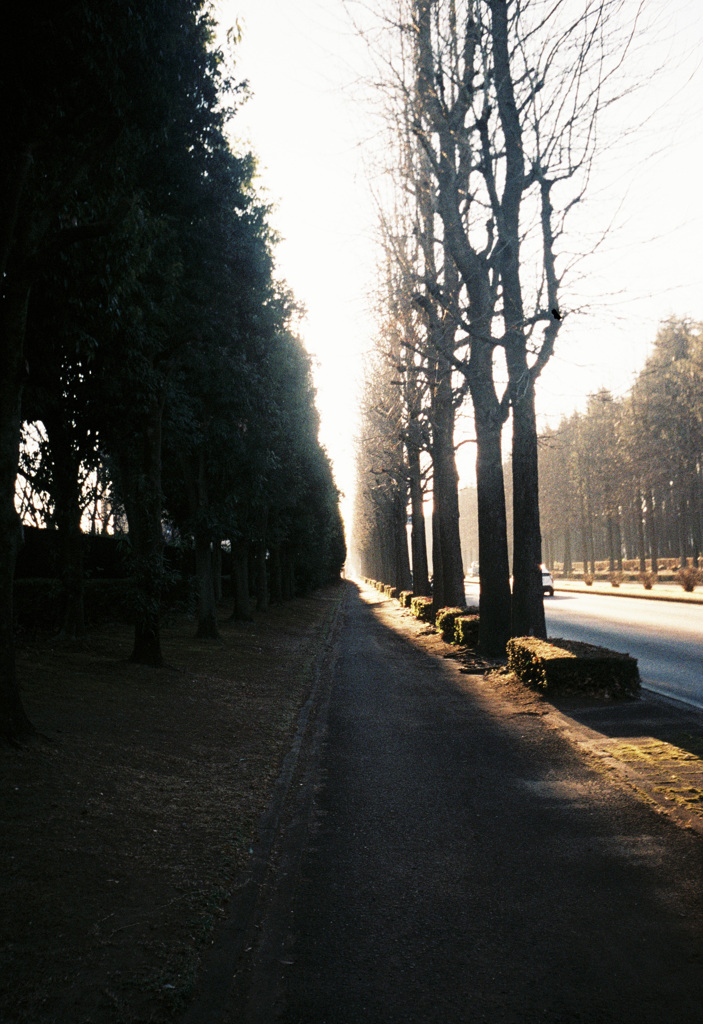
611, 543
448, 590
195, 478
528, 600
66, 468
494, 569
420, 577
261, 571
207, 605
402, 579
217, 569
276, 574
241, 611
567, 568
639, 527
14, 723
287, 574
143, 504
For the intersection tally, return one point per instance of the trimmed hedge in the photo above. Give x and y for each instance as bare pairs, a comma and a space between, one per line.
444, 620
466, 630
570, 666
405, 597
422, 609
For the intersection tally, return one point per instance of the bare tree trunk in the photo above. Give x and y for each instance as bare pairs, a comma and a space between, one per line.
420, 577
401, 579
494, 570
448, 589
528, 599
611, 542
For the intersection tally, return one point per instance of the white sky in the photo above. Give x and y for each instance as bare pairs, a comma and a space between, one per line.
308, 127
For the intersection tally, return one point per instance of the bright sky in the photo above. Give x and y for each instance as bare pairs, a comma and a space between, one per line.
308, 127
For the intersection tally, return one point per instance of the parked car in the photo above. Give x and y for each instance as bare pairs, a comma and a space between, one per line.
547, 582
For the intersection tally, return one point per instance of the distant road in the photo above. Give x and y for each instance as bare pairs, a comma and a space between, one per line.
665, 637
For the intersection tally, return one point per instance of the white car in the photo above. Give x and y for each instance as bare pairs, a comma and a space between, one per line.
547, 582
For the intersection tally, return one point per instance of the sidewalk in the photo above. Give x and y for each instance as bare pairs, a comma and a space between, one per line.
653, 745
458, 848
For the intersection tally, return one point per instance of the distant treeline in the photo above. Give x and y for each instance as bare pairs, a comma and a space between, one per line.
623, 479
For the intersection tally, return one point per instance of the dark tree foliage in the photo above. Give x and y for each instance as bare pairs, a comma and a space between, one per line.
140, 322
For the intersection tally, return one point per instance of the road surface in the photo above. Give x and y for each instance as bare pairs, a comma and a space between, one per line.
462, 863
666, 637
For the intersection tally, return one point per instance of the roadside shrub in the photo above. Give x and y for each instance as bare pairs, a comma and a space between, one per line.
588, 579
392, 592
405, 597
568, 666
422, 609
466, 630
616, 579
647, 579
444, 621
689, 578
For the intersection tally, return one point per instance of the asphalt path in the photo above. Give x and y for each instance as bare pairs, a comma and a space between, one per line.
666, 637
449, 859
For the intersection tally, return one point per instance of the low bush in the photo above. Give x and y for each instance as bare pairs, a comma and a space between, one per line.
422, 609
466, 630
588, 579
570, 666
616, 579
444, 621
648, 579
689, 578
405, 597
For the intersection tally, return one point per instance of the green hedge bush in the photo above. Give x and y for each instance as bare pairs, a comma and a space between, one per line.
444, 620
405, 597
570, 666
466, 630
422, 609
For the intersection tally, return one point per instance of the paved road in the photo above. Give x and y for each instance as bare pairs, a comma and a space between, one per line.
460, 862
665, 637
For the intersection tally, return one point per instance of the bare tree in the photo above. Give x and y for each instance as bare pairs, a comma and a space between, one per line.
504, 98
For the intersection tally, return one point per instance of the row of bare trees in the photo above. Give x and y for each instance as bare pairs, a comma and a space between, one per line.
491, 109
624, 479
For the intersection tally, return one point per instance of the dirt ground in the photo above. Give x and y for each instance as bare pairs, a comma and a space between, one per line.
125, 828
